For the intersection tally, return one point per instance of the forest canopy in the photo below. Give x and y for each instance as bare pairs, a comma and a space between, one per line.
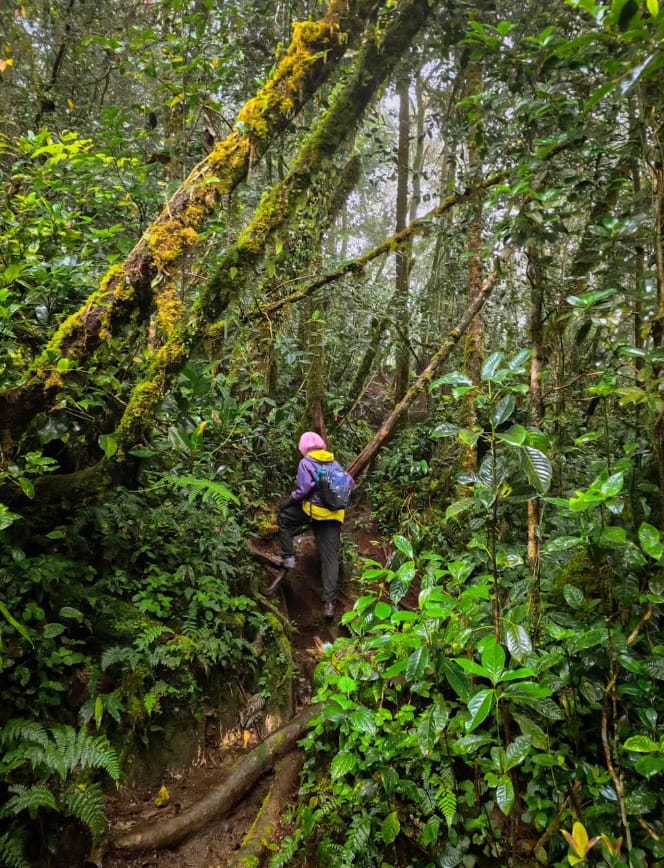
431, 231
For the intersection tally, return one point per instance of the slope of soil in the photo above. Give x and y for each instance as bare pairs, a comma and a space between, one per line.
299, 599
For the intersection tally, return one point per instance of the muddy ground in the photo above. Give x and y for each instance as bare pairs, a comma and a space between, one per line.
215, 846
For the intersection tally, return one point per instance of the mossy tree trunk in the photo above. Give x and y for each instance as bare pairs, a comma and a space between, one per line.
380, 54
126, 290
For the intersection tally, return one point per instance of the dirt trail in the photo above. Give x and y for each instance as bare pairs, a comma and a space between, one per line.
299, 599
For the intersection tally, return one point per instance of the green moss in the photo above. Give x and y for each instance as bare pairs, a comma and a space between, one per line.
169, 240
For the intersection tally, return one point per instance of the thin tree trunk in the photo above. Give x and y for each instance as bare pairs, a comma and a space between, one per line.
401, 312
534, 273
364, 460
474, 348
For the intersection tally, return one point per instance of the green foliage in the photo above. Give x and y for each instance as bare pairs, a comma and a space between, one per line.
49, 771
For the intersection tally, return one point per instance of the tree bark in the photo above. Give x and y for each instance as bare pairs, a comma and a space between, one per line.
403, 252
364, 460
262, 833
379, 56
220, 798
127, 288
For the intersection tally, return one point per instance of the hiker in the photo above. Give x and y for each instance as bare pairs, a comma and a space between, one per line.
305, 507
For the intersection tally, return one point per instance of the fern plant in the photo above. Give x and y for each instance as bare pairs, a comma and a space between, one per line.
50, 770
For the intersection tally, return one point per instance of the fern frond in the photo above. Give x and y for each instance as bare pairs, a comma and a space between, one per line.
19, 730
217, 492
13, 853
87, 805
446, 795
29, 799
78, 750
116, 654
288, 849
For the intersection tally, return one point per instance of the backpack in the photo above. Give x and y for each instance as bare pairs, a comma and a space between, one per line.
334, 486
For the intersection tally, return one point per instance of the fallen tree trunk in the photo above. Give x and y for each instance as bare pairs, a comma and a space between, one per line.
262, 833
221, 798
364, 460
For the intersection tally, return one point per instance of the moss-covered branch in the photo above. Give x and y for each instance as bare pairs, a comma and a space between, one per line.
126, 288
380, 53
421, 226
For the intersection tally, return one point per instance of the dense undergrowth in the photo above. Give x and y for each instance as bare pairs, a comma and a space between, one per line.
482, 712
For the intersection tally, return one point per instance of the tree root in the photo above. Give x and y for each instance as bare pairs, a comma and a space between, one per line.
262, 833
220, 798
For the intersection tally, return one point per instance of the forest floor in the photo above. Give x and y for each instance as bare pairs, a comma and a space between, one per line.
215, 846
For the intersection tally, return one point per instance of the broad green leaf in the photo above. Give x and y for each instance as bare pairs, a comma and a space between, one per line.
431, 831
562, 544
505, 795
383, 610
343, 763
613, 485
456, 679
504, 410
653, 7
390, 828
650, 541
396, 669
535, 734
471, 666
546, 707
613, 535
526, 691
649, 766
7, 517
493, 661
517, 751
516, 435
27, 486
363, 719
390, 780
641, 744
445, 429
417, 663
573, 596
454, 378
537, 467
346, 684
588, 639
52, 630
479, 707
517, 362
492, 365
518, 641
459, 507
404, 546
109, 445
70, 612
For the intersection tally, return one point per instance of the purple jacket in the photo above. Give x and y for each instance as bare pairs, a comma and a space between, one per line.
305, 489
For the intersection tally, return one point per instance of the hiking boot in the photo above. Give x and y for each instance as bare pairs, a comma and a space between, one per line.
288, 562
329, 610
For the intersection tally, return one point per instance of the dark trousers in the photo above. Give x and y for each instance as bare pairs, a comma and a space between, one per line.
327, 533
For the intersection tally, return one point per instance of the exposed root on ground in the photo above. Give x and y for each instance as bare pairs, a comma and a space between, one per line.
222, 797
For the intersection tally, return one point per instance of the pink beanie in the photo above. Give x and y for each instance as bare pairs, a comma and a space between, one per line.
310, 441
